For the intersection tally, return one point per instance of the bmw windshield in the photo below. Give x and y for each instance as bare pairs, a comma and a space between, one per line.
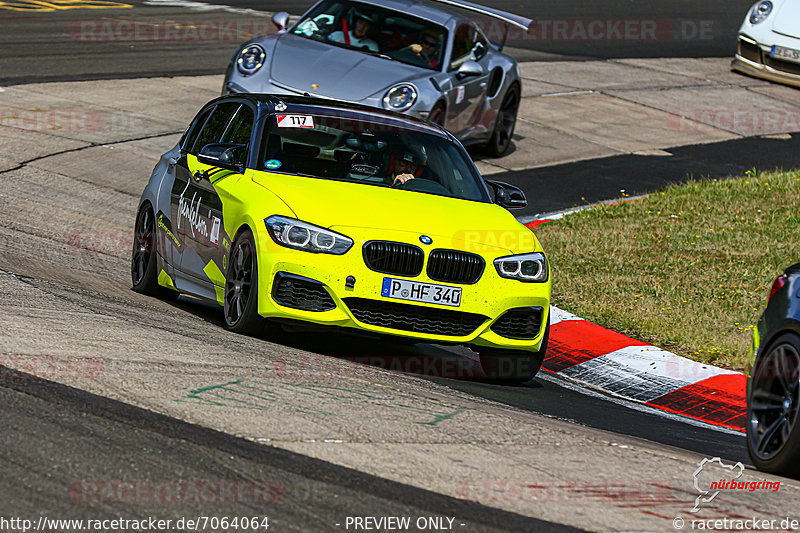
376, 31
373, 152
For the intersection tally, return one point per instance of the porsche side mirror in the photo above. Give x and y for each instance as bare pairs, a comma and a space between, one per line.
223, 155
469, 68
281, 20
478, 51
508, 196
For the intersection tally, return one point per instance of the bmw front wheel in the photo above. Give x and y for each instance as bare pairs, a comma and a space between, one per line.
513, 366
241, 286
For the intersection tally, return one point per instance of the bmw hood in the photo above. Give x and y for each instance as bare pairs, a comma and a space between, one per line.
340, 205
342, 74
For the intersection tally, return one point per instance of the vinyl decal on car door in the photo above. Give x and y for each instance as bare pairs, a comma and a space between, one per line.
197, 211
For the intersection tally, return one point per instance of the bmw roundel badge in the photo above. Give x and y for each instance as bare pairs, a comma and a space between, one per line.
424, 239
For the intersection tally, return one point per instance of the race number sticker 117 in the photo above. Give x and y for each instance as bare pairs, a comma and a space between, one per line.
295, 121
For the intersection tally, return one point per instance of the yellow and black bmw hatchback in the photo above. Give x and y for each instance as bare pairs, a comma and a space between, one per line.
343, 215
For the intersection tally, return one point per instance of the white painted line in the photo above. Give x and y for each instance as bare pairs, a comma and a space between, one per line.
556, 215
202, 6
569, 93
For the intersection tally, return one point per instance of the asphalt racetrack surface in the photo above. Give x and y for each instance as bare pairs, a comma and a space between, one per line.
567, 185
100, 442
138, 38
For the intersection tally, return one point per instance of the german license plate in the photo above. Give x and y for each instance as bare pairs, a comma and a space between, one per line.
416, 291
788, 54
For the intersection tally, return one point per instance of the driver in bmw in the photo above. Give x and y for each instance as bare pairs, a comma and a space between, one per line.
405, 168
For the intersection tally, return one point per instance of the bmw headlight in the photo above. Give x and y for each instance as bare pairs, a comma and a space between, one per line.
307, 237
760, 11
251, 58
524, 267
400, 97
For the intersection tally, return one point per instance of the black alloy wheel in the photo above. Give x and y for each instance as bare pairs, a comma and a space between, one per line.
773, 432
241, 286
505, 123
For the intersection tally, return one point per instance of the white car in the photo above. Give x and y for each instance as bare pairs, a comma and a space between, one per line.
769, 42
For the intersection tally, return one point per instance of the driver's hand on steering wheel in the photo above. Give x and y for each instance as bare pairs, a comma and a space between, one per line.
402, 178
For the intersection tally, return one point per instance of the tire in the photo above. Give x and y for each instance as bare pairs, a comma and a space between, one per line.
513, 366
437, 114
144, 264
773, 408
241, 286
505, 123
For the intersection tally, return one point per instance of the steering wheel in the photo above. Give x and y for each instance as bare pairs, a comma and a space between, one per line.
423, 185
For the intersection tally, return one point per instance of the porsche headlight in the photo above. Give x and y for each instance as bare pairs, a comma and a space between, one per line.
307, 237
400, 97
251, 58
524, 267
760, 11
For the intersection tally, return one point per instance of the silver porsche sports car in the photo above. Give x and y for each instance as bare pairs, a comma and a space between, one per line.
402, 55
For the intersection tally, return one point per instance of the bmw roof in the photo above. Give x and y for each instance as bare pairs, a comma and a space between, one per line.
296, 103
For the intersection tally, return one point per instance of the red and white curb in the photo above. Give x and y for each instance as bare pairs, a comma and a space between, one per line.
627, 368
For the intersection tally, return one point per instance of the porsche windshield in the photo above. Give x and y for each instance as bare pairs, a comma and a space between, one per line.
376, 31
372, 153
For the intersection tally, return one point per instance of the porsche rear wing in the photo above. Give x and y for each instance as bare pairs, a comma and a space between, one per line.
508, 18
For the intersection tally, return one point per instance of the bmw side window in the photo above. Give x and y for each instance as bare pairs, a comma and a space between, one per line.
240, 128
215, 125
190, 136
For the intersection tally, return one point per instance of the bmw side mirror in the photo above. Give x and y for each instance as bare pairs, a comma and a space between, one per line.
469, 68
223, 155
508, 196
281, 20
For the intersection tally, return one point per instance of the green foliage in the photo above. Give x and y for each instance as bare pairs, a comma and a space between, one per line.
687, 269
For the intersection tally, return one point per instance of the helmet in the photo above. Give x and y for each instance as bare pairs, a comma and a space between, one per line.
358, 14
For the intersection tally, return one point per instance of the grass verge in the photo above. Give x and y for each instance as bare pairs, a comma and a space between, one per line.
687, 269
